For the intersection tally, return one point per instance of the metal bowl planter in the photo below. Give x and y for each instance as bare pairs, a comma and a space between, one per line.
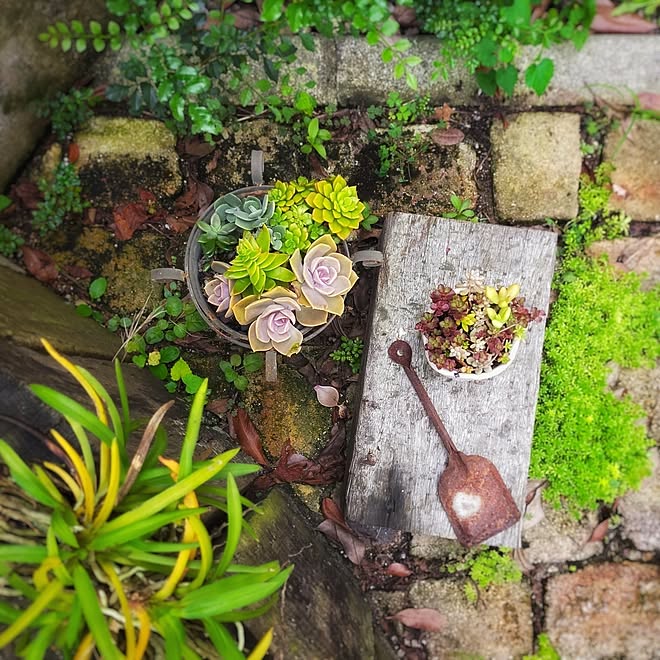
193, 278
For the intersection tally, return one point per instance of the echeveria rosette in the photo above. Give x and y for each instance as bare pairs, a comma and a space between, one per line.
336, 203
220, 291
323, 277
272, 321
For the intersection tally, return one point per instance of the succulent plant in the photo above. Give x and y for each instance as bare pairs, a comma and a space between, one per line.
272, 320
323, 278
336, 203
298, 228
220, 291
231, 213
290, 193
255, 269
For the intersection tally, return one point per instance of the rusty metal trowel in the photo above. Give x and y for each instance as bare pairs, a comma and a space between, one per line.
471, 490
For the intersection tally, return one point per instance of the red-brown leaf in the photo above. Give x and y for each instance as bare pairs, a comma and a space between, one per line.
39, 264
624, 23
79, 272
245, 18
422, 618
445, 137
443, 113
332, 512
218, 406
128, 218
243, 430
649, 101
74, 152
398, 570
27, 193
600, 530
195, 146
352, 545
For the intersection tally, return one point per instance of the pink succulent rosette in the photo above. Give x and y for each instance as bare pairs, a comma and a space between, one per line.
219, 291
272, 321
324, 277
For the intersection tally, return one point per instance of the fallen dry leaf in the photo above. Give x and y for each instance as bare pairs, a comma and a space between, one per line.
421, 618
218, 406
398, 570
404, 16
445, 137
27, 193
196, 146
73, 152
39, 264
326, 395
443, 113
332, 512
353, 546
624, 23
243, 430
128, 218
600, 531
534, 512
79, 272
245, 18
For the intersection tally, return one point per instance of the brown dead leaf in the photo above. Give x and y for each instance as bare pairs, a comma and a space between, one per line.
445, 137
398, 570
600, 531
196, 146
39, 264
534, 512
332, 512
243, 430
353, 546
443, 113
218, 406
74, 152
405, 16
27, 193
421, 618
79, 272
649, 101
245, 17
128, 218
624, 23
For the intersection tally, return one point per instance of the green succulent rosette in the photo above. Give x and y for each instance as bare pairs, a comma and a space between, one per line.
336, 204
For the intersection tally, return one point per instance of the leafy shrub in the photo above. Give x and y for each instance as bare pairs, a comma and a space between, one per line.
112, 555
61, 198
486, 36
68, 111
350, 352
10, 241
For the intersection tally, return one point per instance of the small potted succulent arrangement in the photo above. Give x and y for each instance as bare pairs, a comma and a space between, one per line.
272, 261
473, 331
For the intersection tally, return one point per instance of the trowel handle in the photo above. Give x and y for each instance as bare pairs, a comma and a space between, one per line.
401, 353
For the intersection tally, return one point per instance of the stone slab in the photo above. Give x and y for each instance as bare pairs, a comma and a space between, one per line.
497, 627
114, 149
641, 510
30, 311
397, 456
610, 66
634, 149
536, 166
32, 71
605, 611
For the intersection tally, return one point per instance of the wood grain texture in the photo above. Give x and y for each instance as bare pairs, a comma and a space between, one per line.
397, 456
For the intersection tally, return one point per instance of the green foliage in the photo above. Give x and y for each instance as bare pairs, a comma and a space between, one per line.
545, 650
397, 149
336, 204
462, 210
315, 137
113, 552
5, 202
96, 290
68, 111
10, 241
61, 198
486, 36
486, 568
587, 442
350, 352
596, 220
648, 7
255, 268
152, 345
238, 365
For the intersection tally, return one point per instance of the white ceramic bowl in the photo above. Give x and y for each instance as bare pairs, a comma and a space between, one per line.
459, 375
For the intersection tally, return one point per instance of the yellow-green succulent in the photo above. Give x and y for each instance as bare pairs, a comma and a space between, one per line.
336, 204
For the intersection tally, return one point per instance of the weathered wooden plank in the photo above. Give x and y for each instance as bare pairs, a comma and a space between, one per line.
397, 457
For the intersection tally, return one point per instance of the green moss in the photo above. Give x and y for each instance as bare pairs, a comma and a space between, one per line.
588, 443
